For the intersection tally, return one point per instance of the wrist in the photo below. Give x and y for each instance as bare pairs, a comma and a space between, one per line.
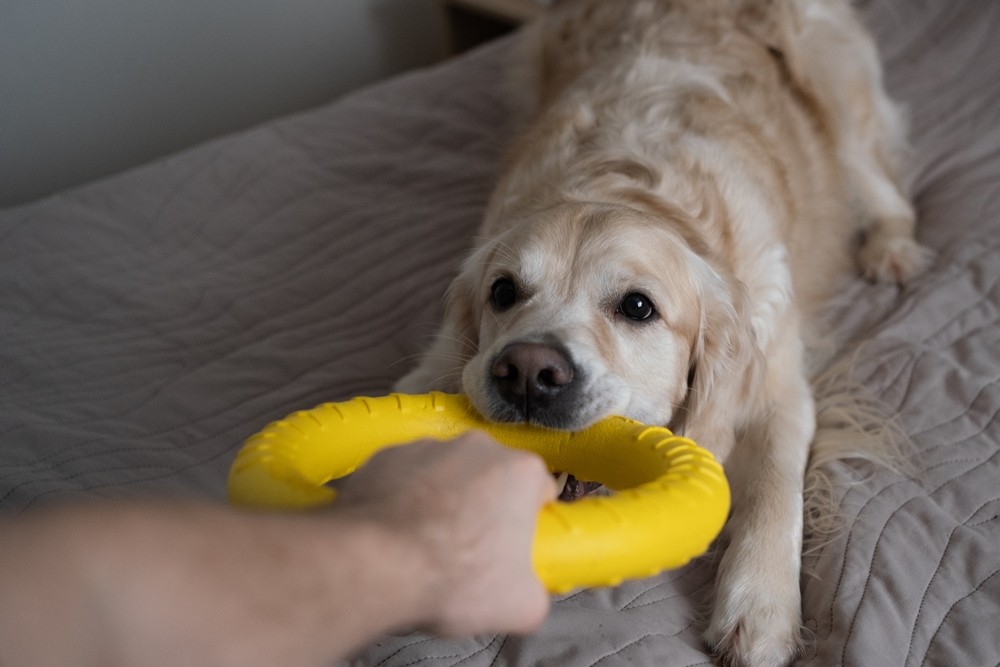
398, 583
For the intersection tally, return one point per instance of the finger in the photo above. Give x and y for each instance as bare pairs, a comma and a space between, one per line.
545, 489
528, 607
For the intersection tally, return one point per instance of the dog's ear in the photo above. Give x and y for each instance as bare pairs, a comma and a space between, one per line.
726, 363
456, 341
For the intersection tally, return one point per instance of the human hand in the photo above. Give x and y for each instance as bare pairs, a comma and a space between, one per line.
434, 534
468, 510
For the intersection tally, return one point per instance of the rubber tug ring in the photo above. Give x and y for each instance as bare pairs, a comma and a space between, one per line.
670, 498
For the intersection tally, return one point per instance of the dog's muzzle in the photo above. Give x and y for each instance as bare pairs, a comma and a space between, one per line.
536, 382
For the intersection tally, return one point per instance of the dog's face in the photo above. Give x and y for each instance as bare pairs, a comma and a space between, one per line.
581, 312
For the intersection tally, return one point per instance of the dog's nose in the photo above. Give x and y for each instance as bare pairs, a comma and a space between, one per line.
531, 373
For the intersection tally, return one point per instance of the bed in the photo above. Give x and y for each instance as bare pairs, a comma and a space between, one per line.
153, 320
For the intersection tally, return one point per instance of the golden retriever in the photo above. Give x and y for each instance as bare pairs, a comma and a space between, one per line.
686, 191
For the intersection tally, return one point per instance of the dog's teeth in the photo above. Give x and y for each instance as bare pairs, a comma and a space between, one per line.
561, 481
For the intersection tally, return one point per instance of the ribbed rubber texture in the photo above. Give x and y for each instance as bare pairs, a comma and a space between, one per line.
671, 496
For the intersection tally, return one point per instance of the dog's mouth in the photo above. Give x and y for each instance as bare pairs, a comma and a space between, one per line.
571, 488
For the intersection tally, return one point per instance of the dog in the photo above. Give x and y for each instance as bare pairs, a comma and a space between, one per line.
690, 183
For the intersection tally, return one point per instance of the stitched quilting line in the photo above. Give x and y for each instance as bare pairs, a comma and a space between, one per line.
165, 448
303, 308
983, 295
872, 498
944, 619
499, 651
306, 308
109, 485
403, 648
573, 595
923, 343
991, 519
843, 567
481, 650
227, 449
684, 574
230, 447
168, 431
178, 428
425, 658
680, 594
168, 261
838, 588
918, 295
937, 569
848, 544
990, 384
878, 547
639, 639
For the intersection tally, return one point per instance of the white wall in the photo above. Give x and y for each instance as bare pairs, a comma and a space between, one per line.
90, 87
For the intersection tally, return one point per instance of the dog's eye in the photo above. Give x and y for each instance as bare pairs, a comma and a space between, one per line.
636, 306
503, 294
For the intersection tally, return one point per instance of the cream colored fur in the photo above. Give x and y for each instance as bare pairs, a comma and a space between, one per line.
719, 158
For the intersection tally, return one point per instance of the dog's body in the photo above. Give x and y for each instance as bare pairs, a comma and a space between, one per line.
682, 202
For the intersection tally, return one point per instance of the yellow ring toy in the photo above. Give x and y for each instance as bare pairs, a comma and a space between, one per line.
671, 497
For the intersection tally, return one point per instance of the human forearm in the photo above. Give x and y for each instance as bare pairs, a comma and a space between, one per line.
432, 535
145, 583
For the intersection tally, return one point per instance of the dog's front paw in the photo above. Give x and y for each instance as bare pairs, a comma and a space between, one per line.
757, 634
756, 615
891, 258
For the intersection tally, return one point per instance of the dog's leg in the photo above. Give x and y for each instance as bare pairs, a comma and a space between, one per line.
756, 614
834, 59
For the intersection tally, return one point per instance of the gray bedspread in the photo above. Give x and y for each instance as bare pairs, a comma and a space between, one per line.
152, 321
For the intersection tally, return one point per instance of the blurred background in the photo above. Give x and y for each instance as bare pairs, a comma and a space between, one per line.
92, 87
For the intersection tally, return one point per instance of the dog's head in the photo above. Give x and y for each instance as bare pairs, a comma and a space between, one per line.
586, 310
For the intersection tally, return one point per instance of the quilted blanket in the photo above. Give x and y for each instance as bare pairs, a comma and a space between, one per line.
152, 321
